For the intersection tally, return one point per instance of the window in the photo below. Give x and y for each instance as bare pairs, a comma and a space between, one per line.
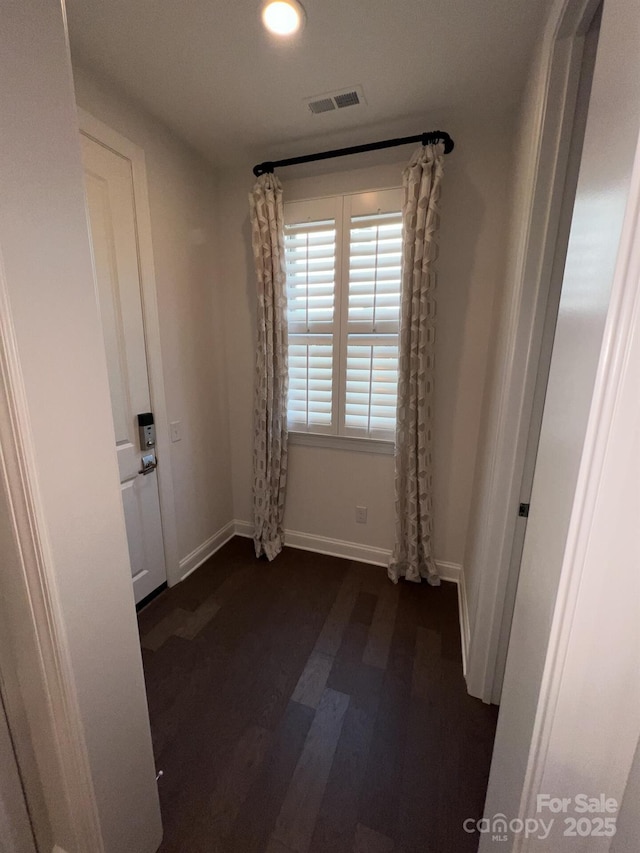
343, 257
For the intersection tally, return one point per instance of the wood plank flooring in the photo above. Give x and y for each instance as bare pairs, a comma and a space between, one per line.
310, 706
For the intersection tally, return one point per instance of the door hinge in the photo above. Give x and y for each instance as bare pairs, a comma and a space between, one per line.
523, 511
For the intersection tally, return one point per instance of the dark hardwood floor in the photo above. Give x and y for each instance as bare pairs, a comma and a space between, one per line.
310, 705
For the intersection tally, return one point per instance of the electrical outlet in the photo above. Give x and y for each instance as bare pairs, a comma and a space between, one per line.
176, 430
361, 514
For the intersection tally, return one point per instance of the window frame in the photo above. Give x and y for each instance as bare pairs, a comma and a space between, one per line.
341, 208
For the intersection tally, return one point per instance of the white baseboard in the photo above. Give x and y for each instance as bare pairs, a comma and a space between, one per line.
346, 550
449, 571
454, 573
202, 553
243, 528
465, 634
325, 545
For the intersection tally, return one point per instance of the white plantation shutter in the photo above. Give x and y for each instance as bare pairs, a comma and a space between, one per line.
343, 258
310, 254
310, 405
372, 381
375, 257
373, 316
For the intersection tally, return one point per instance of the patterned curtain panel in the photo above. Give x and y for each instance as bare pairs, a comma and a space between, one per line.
270, 414
413, 552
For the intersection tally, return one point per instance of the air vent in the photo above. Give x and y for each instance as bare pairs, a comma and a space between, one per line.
336, 100
349, 99
322, 106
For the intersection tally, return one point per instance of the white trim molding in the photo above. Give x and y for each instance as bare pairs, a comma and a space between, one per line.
465, 633
342, 442
202, 553
454, 573
451, 572
104, 135
35, 662
325, 545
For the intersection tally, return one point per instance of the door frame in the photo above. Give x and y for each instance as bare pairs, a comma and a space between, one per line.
101, 133
35, 663
520, 336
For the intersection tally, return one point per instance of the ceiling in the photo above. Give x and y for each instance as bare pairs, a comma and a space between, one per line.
211, 73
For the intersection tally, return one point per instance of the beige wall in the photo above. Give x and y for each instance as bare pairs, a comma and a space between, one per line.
324, 484
182, 198
200, 283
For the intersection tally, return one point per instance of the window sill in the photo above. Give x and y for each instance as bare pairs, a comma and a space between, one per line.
342, 442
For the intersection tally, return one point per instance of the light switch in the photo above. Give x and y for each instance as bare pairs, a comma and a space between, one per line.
175, 429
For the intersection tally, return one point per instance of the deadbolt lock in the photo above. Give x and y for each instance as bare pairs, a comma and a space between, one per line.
147, 431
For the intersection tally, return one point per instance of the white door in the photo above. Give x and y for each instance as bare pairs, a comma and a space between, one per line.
109, 187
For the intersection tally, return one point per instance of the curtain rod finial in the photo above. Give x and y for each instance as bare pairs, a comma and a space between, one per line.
265, 168
438, 136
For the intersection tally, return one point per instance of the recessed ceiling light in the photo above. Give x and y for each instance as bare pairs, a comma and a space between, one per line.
283, 17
